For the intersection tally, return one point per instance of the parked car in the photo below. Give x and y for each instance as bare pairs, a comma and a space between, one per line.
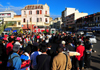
92, 39
80, 33
89, 34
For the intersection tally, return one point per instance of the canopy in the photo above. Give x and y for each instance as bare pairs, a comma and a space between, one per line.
14, 31
8, 29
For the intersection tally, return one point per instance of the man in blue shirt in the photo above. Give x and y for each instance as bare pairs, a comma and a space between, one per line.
16, 60
33, 57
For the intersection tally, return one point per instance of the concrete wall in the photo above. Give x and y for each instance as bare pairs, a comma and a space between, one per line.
69, 11
78, 15
34, 16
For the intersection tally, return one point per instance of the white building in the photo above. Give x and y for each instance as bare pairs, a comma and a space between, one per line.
65, 13
35, 15
56, 23
7, 14
70, 20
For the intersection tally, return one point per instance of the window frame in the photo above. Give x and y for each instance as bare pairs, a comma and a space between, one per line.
18, 23
37, 12
37, 19
46, 20
40, 19
24, 12
24, 20
30, 19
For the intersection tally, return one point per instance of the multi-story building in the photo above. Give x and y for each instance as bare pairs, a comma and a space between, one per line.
65, 13
71, 19
97, 19
92, 20
35, 15
56, 23
6, 14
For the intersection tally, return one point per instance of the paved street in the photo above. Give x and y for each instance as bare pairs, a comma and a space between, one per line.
95, 59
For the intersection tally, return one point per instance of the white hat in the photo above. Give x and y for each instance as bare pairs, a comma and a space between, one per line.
47, 41
63, 42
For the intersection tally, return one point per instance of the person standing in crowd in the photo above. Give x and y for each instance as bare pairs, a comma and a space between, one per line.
34, 55
2, 55
43, 60
71, 48
15, 58
88, 51
61, 61
79, 59
9, 47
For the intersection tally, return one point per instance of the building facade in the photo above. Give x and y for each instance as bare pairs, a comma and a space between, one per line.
6, 14
71, 20
35, 15
92, 20
65, 13
16, 20
56, 23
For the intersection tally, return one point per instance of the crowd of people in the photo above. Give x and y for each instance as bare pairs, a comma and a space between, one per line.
44, 51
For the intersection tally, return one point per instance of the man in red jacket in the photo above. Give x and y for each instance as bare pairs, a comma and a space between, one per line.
9, 47
80, 49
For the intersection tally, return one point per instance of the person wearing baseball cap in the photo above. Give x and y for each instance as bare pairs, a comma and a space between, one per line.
15, 58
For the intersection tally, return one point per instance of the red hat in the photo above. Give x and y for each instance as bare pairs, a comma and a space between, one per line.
5, 35
5, 39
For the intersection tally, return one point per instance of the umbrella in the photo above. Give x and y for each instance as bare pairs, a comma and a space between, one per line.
14, 31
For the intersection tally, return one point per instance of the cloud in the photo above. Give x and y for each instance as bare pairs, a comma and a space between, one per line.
8, 3
1, 5
11, 8
55, 16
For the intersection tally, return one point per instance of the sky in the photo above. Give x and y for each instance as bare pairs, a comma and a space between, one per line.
56, 6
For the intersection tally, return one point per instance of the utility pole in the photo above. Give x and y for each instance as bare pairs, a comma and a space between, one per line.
37, 19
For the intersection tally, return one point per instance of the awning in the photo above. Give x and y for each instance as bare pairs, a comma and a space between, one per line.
14, 31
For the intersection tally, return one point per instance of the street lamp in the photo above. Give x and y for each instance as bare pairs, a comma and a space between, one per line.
37, 19
27, 24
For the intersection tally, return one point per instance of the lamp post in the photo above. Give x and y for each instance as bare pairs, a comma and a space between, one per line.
27, 24
37, 19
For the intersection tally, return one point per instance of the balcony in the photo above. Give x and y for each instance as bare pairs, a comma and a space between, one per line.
46, 23
47, 15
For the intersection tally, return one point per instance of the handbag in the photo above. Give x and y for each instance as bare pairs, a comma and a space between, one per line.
66, 61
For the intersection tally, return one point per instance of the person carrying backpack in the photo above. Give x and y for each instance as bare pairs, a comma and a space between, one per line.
14, 60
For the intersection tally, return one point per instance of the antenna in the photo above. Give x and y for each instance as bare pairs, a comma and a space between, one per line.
6, 9
37, 1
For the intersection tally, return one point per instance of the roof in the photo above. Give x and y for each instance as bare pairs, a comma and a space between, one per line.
17, 16
36, 6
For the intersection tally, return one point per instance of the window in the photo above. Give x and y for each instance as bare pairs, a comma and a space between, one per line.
37, 12
30, 12
40, 19
46, 20
95, 18
40, 11
98, 18
30, 19
46, 12
18, 23
24, 20
24, 12
41, 7
37, 19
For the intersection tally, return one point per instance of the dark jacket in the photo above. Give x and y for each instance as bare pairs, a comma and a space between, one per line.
40, 60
